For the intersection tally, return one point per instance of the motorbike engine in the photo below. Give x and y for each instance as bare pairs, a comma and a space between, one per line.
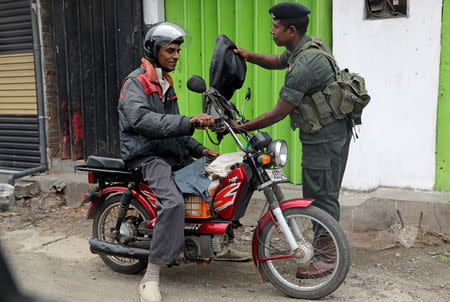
204, 246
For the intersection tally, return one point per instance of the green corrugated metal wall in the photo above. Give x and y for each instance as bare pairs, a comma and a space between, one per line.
443, 113
248, 24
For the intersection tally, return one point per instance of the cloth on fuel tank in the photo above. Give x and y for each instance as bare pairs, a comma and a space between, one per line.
203, 176
193, 179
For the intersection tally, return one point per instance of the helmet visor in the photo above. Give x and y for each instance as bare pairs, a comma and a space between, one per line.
166, 33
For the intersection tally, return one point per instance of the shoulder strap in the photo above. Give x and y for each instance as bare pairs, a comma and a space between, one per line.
316, 46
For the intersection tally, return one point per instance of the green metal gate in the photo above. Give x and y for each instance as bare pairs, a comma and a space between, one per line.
443, 111
248, 24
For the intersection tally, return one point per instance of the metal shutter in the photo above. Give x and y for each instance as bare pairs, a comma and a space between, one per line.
19, 131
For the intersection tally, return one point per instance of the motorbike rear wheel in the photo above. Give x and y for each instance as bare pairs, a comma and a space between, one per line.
105, 220
282, 272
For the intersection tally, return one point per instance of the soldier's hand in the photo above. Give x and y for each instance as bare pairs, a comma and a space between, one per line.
201, 121
242, 52
210, 153
236, 127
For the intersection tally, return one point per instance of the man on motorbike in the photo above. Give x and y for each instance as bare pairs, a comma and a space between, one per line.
156, 138
324, 153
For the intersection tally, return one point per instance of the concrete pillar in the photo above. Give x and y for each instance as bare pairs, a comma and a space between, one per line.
153, 11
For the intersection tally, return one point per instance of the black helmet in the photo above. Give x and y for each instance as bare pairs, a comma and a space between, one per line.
162, 34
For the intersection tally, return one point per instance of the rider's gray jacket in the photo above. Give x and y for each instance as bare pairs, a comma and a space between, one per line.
150, 124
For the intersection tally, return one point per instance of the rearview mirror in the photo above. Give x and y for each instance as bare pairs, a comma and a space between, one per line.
249, 94
196, 84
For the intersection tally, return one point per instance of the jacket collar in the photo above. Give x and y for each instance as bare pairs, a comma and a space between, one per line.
150, 72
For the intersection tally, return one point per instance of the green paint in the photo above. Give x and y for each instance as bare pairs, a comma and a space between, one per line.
443, 113
248, 24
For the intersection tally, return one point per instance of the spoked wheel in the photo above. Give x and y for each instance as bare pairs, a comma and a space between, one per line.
105, 221
322, 263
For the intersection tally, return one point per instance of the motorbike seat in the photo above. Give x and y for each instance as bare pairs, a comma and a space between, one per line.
105, 162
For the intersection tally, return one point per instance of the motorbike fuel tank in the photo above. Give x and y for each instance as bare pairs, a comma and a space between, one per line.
228, 193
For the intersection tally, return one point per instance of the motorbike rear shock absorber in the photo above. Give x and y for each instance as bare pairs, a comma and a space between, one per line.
123, 209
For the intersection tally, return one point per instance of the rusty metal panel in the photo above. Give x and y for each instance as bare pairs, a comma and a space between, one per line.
248, 24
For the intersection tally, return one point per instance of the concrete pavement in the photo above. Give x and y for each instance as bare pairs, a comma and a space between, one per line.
377, 209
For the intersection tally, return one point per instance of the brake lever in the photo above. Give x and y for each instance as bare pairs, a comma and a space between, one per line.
242, 122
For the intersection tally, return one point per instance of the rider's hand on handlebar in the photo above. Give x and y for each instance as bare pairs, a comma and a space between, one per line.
201, 121
210, 153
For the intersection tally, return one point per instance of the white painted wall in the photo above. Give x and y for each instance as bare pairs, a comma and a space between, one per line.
399, 59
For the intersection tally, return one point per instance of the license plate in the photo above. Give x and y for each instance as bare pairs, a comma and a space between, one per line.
276, 174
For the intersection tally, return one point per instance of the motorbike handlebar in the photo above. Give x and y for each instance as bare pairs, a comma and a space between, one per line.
233, 134
216, 122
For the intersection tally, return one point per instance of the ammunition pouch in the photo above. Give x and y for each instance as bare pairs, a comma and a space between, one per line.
354, 85
324, 107
347, 96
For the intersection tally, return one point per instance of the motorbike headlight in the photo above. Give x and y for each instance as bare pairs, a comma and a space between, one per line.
278, 150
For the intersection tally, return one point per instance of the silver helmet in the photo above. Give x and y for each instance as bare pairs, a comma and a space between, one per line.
162, 34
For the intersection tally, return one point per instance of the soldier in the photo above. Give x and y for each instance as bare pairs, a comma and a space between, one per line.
325, 146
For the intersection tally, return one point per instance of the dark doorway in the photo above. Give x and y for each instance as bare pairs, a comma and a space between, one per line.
98, 42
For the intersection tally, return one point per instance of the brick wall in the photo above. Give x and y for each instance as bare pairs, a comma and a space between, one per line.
50, 88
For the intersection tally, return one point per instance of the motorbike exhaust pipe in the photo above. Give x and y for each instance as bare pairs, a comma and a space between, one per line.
113, 249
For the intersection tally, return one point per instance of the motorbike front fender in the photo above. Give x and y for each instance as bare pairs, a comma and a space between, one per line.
291, 203
95, 204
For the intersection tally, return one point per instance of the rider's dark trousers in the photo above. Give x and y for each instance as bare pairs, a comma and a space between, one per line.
323, 166
168, 234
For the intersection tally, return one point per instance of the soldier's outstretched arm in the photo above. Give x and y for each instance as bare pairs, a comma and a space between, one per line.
267, 61
279, 112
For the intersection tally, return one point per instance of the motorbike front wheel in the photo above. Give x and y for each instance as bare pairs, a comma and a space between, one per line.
297, 276
104, 222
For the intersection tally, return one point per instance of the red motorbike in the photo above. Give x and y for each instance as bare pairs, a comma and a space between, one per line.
285, 238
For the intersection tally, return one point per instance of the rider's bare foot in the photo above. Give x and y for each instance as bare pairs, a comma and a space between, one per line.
204, 262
